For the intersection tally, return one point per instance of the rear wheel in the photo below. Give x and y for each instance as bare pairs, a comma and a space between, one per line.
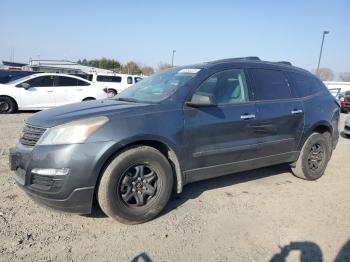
88, 99
136, 185
7, 105
314, 157
112, 92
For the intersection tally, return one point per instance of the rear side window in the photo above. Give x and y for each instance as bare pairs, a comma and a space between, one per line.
304, 85
67, 81
82, 83
270, 84
113, 79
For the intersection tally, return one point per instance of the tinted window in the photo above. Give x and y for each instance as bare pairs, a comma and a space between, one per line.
82, 83
270, 84
41, 81
226, 87
137, 79
304, 85
115, 79
67, 81
129, 80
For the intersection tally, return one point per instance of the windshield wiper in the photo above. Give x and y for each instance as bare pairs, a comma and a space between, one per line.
128, 99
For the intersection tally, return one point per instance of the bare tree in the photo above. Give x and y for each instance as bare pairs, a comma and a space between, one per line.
163, 66
345, 76
131, 68
147, 70
325, 74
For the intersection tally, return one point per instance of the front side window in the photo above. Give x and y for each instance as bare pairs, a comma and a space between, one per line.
304, 85
270, 84
112, 79
137, 79
158, 86
41, 81
226, 87
129, 80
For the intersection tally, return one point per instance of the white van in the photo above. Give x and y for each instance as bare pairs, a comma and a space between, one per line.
343, 86
115, 83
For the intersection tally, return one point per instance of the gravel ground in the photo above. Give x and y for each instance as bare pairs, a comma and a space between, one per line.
261, 215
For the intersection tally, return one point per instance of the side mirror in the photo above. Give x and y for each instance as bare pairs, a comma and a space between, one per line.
201, 100
26, 86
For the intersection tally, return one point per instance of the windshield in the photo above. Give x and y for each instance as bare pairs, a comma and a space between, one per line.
158, 86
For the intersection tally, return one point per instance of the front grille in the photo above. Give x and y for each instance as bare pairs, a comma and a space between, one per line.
31, 135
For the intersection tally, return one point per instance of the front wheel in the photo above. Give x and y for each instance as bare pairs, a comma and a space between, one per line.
7, 105
136, 185
314, 157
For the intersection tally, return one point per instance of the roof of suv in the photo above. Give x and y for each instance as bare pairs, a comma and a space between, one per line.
250, 61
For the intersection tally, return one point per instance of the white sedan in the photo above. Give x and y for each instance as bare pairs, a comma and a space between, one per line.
45, 90
347, 126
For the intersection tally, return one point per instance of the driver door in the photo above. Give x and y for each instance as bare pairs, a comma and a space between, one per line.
39, 94
220, 137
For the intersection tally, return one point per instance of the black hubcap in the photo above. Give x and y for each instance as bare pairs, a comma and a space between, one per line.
138, 185
316, 157
4, 107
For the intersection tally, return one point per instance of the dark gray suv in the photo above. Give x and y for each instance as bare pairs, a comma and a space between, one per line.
176, 127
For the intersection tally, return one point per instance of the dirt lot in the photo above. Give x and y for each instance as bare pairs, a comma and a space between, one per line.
253, 216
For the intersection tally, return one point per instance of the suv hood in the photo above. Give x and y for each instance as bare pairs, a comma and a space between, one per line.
63, 114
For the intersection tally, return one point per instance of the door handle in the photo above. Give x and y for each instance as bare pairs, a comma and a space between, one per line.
296, 111
49, 91
246, 116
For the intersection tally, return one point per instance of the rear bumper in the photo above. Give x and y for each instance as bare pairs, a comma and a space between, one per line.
347, 126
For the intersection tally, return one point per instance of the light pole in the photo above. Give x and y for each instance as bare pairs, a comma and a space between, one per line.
172, 58
319, 58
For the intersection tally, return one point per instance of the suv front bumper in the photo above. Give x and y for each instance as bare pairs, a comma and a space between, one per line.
70, 192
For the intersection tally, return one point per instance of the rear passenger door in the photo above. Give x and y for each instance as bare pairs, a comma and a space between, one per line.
69, 90
280, 116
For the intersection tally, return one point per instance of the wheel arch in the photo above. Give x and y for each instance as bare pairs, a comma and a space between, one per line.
319, 127
163, 147
89, 98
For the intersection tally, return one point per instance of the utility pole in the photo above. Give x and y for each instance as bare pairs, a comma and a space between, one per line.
172, 58
319, 58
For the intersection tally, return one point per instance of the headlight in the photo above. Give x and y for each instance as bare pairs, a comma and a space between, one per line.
73, 132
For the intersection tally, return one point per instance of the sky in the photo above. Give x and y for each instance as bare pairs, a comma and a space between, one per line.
199, 31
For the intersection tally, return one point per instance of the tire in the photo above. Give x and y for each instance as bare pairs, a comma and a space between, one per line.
7, 105
120, 181
312, 165
88, 99
112, 92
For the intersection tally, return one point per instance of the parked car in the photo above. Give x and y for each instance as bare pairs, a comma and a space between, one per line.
44, 90
347, 126
344, 99
115, 83
176, 127
7, 76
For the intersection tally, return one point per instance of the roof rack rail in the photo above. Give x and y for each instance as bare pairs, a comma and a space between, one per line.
254, 58
284, 62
